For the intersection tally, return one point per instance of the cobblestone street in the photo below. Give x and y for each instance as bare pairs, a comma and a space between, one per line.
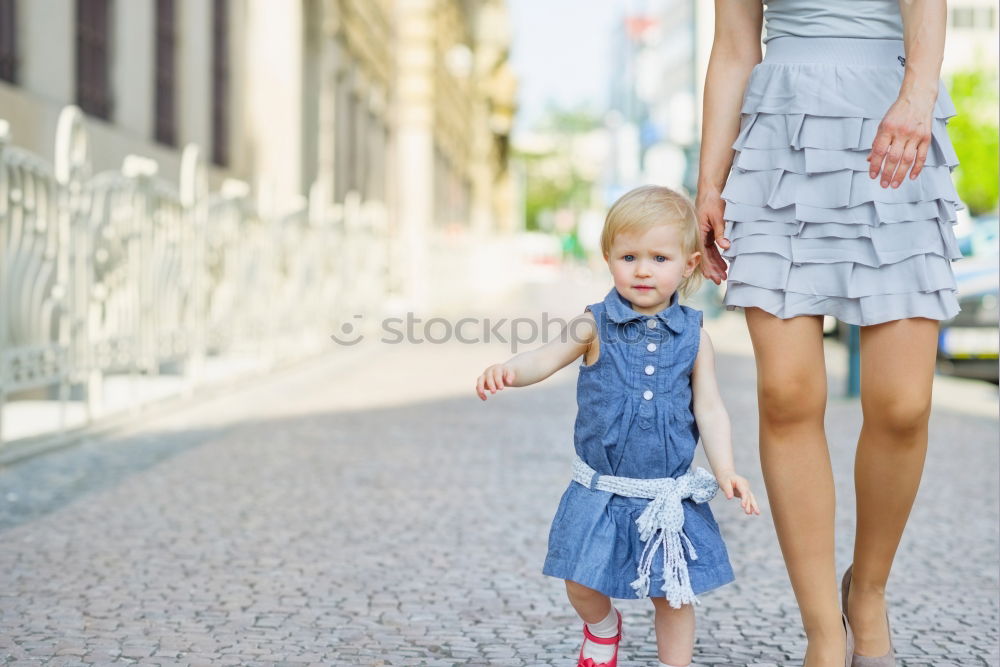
368, 509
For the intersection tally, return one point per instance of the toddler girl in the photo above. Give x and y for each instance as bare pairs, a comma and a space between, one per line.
635, 520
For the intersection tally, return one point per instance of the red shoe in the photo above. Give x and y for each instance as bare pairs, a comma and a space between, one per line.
613, 662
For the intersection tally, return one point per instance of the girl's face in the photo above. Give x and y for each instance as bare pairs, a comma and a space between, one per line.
648, 266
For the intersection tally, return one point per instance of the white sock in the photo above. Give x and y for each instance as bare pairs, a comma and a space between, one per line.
605, 629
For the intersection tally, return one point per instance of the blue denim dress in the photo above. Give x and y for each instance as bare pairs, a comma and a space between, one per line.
634, 419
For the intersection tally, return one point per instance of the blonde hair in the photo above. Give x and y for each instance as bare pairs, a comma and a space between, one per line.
645, 207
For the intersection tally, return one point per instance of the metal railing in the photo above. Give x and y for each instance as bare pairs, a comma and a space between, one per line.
122, 273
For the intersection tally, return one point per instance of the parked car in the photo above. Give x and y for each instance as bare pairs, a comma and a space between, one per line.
969, 343
977, 236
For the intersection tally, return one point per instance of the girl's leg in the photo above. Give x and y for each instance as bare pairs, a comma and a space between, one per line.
897, 370
674, 632
591, 605
597, 612
791, 397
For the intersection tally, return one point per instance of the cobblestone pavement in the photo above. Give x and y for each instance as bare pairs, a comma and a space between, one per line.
368, 509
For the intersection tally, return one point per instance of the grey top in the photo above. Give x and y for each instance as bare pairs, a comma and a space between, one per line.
876, 19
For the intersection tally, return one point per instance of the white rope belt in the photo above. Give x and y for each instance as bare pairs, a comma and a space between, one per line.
662, 520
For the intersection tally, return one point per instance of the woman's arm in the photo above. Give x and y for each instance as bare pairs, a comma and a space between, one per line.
536, 365
904, 136
735, 50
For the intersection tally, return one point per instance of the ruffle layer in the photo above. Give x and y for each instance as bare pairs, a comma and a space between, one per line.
846, 279
829, 89
811, 232
776, 188
872, 213
826, 243
862, 311
821, 143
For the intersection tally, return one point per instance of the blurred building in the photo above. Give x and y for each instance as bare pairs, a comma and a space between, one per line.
409, 102
652, 95
973, 38
456, 98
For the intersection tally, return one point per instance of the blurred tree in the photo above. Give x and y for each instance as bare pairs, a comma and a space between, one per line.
553, 181
571, 121
976, 138
542, 194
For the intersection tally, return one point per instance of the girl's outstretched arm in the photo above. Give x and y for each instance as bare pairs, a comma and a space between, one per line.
713, 425
536, 365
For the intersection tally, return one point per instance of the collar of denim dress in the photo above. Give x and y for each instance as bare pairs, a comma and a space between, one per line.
620, 310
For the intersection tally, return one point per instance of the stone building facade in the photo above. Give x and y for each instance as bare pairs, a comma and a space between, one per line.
408, 102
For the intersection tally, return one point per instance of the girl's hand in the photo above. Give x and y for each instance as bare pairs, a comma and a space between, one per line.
903, 139
494, 378
734, 485
709, 208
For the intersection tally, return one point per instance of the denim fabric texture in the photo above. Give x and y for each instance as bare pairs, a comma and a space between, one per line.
634, 419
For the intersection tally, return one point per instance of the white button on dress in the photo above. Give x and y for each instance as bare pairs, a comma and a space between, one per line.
651, 347
649, 370
647, 394
651, 324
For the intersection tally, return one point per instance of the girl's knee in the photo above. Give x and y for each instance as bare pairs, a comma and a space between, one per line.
579, 591
662, 605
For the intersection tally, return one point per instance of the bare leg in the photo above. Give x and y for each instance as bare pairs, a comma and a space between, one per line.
791, 396
591, 605
897, 371
674, 632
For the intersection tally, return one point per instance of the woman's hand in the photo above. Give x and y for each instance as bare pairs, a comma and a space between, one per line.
734, 485
494, 378
903, 138
709, 207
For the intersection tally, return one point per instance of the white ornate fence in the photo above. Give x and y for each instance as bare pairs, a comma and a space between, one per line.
120, 274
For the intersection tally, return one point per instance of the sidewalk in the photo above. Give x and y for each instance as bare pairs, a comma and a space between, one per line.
368, 509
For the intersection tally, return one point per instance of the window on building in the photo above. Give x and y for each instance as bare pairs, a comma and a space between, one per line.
343, 129
8, 40
979, 16
962, 17
220, 82
360, 156
987, 17
92, 77
165, 120
353, 176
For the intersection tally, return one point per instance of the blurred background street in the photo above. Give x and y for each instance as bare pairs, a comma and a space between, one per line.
237, 422
368, 509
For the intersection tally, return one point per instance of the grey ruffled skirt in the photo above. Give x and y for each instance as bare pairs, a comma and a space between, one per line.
811, 233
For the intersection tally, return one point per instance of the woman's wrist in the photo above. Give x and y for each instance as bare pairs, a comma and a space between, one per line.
707, 189
917, 91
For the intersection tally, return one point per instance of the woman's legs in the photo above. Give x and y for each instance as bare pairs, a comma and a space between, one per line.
791, 396
674, 632
897, 371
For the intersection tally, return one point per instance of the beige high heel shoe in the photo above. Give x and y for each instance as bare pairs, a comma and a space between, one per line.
887, 660
849, 656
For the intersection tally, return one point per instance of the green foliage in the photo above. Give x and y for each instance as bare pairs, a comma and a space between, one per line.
976, 138
572, 121
552, 180
541, 194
